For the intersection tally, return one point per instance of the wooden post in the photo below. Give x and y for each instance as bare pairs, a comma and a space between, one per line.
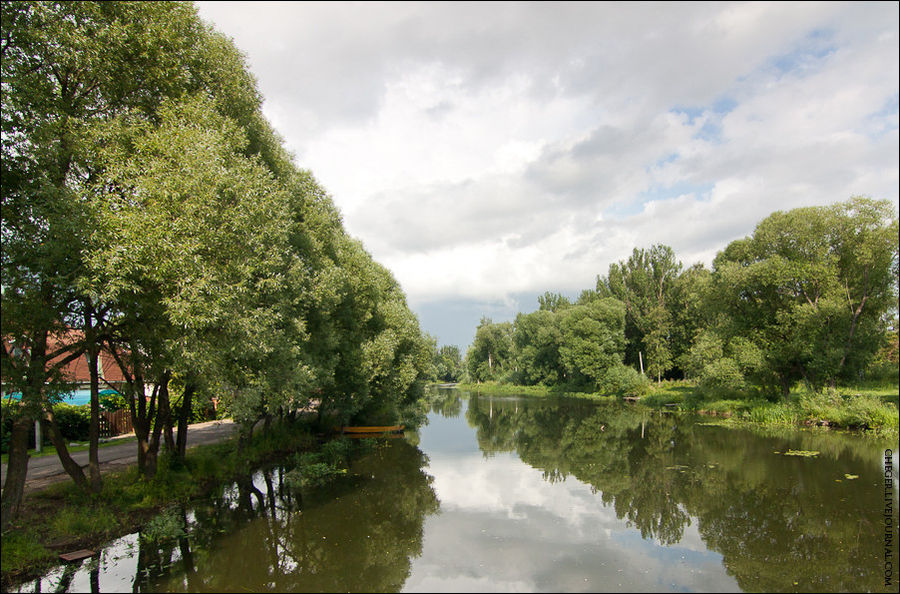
37, 436
641, 359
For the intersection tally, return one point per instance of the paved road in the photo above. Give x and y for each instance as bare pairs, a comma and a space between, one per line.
45, 470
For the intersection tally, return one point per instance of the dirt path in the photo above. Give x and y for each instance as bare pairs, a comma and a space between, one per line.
47, 470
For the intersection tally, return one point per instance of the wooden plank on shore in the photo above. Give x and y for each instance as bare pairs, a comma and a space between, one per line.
76, 555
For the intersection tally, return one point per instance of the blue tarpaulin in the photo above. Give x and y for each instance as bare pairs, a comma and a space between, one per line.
75, 398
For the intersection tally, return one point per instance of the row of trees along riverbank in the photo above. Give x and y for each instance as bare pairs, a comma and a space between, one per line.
810, 296
148, 205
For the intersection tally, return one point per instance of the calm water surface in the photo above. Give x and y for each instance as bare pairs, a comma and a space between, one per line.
535, 494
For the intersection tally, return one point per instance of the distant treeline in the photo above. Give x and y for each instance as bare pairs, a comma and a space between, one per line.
811, 295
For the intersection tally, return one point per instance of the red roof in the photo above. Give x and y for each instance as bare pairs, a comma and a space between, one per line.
77, 370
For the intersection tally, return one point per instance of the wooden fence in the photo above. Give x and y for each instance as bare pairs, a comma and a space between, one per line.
115, 422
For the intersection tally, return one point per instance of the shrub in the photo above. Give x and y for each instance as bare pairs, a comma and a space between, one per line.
168, 525
623, 381
111, 402
74, 421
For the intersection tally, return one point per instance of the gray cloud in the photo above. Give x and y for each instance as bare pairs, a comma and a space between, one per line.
522, 147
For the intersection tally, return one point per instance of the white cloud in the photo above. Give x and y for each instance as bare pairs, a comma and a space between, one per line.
482, 150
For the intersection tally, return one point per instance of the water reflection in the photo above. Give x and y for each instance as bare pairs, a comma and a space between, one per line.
779, 522
358, 534
536, 494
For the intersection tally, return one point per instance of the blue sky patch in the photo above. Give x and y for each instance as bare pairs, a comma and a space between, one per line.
806, 55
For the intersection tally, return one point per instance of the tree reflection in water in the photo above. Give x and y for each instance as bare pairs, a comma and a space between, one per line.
358, 534
779, 522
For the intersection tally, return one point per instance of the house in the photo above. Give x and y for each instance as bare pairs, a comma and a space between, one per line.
76, 371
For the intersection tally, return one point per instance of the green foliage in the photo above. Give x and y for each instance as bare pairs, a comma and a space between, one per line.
593, 340
491, 354
73, 421
112, 402
809, 291
448, 364
646, 283
167, 525
314, 469
623, 380
337, 452
312, 475
142, 182
22, 550
91, 520
537, 339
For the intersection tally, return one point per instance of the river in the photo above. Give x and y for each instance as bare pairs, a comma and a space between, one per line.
518, 494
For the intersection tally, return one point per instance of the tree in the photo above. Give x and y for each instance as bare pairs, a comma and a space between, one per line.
553, 302
593, 341
147, 203
448, 363
537, 339
644, 283
491, 353
810, 291
64, 67
657, 341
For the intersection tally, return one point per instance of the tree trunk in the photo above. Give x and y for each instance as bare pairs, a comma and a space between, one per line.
69, 465
152, 455
785, 386
184, 416
853, 322
14, 489
93, 354
164, 416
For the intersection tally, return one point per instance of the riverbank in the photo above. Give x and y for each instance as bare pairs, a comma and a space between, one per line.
867, 407
61, 518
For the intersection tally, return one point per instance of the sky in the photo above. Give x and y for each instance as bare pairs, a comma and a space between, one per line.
489, 152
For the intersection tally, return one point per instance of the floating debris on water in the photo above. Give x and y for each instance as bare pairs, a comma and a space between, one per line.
803, 453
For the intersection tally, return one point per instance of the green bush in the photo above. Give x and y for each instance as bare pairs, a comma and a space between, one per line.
74, 422
722, 375
337, 452
168, 525
6, 422
111, 402
623, 380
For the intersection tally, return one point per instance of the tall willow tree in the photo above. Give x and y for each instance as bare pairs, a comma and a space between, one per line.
645, 283
66, 66
807, 296
148, 203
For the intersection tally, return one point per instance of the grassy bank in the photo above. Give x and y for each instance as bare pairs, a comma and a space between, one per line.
869, 406
62, 518
499, 389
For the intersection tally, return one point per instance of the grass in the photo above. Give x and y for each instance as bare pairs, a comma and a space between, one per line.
539, 390
62, 518
869, 405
